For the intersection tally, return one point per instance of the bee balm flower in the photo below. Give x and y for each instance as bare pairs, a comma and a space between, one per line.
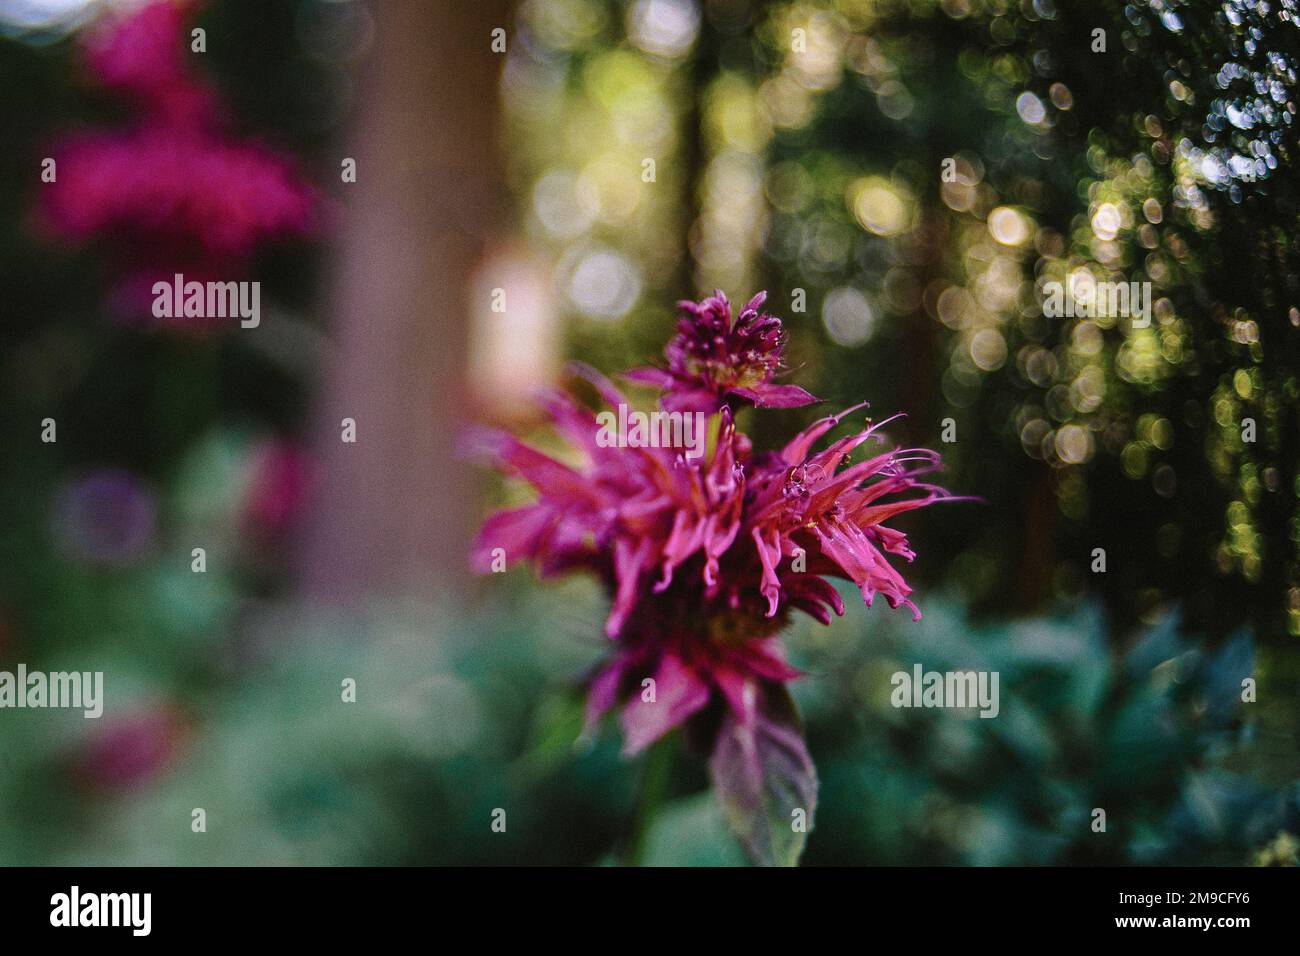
172, 190
705, 557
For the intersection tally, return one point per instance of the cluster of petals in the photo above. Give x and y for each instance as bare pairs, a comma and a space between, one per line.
704, 559
714, 358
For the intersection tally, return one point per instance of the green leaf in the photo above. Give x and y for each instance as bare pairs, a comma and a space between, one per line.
691, 832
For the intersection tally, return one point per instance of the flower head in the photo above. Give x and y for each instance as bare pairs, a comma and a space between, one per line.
140, 55
705, 557
713, 357
176, 198
704, 561
172, 190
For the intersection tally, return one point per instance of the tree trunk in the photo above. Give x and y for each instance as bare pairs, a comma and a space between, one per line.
392, 511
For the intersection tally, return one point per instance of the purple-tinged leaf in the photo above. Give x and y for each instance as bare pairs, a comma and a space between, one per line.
765, 780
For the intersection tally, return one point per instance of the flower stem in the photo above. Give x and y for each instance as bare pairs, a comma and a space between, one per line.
715, 429
654, 787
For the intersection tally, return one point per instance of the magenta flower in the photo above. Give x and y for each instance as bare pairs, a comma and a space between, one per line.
142, 55
279, 480
172, 191
177, 199
133, 749
704, 559
713, 358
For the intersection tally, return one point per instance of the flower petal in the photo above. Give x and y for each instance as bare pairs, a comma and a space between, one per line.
770, 395
678, 693
650, 376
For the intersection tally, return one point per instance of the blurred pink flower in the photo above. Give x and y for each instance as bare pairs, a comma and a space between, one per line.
131, 749
277, 489
176, 199
171, 192
143, 54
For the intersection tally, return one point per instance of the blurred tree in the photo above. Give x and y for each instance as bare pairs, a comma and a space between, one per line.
426, 199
